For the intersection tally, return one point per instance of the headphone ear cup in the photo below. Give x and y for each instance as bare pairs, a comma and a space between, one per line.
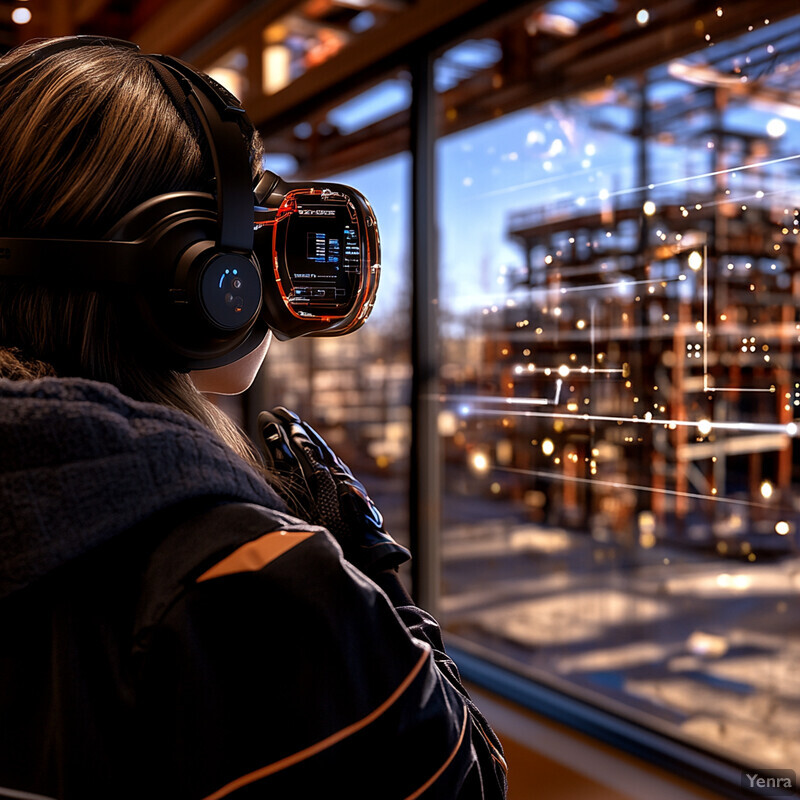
198, 302
214, 302
229, 291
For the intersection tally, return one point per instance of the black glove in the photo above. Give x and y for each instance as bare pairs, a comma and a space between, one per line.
317, 486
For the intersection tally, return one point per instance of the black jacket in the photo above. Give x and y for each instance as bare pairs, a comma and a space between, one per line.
166, 630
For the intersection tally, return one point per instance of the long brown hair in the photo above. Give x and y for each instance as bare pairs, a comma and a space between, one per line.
85, 136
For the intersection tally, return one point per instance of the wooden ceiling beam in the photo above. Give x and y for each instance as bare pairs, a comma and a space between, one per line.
180, 23
86, 10
248, 23
374, 52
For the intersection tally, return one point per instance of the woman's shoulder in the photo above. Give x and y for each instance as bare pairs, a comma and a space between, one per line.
206, 541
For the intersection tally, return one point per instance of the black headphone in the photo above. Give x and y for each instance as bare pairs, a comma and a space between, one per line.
189, 256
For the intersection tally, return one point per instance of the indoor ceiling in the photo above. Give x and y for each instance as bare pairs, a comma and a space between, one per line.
294, 62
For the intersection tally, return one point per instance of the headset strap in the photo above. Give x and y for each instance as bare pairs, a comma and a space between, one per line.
64, 260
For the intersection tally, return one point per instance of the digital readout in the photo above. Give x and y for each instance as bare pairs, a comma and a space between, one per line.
323, 248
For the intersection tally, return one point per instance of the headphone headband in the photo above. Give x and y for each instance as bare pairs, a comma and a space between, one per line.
52, 46
220, 115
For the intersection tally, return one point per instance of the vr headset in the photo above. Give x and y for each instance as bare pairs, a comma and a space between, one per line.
213, 274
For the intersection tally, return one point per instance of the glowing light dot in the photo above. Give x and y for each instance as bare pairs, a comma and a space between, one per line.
766, 489
782, 528
695, 260
548, 447
563, 370
776, 127
649, 208
704, 426
21, 16
642, 17
480, 462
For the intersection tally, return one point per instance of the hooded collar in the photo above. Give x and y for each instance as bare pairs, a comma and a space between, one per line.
81, 463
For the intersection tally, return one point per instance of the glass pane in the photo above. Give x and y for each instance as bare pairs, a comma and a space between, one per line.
354, 389
621, 378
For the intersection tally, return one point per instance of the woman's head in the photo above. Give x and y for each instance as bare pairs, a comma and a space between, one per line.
86, 135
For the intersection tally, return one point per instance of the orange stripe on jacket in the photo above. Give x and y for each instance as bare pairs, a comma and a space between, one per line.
255, 555
425, 786
329, 741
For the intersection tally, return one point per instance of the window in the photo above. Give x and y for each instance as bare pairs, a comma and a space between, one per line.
620, 374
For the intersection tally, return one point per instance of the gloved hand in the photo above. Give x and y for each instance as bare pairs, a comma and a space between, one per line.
317, 486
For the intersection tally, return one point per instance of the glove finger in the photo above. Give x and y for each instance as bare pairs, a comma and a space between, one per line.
278, 451
307, 436
284, 456
302, 442
284, 415
326, 455
304, 446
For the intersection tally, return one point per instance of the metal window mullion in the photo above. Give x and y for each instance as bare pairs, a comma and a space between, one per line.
425, 477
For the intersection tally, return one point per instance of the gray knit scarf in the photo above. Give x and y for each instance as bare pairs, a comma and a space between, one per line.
81, 463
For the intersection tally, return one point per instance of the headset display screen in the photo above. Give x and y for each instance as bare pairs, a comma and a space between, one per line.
322, 256
325, 257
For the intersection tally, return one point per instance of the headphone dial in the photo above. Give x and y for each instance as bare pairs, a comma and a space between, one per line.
230, 291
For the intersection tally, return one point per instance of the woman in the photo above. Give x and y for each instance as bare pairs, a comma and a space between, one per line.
168, 629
